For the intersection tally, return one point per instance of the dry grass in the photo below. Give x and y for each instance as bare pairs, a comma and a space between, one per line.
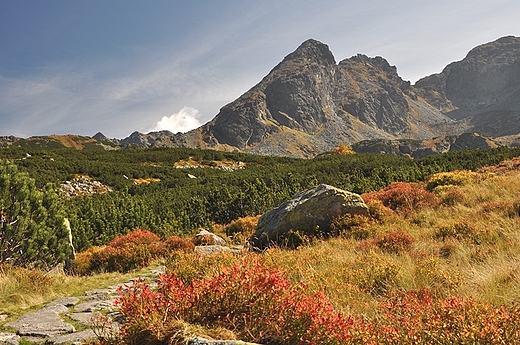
23, 290
464, 246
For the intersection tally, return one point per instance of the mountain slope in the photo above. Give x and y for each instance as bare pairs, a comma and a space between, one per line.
482, 91
308, 104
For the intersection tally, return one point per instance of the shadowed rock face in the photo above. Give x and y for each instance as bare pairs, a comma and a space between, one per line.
296, 94
482, 90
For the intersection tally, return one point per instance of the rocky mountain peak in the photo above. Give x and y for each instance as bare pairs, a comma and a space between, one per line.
100, 137
500, 51
485, 83
312, 50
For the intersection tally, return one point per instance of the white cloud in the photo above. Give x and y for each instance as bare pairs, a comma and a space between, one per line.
186, 119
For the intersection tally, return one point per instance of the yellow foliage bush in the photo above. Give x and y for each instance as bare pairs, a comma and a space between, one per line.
455, 178
241, 229
343, 149
353, 226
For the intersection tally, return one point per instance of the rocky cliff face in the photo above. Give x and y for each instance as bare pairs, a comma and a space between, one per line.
481, 92
308, 104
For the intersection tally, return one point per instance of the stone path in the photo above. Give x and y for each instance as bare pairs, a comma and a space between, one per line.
52, 324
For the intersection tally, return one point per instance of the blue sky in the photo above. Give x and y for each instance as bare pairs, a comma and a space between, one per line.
114, 66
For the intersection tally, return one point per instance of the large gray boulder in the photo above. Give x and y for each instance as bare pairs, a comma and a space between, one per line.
310, 213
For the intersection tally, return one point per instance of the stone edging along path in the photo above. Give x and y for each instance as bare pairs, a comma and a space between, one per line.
51, 324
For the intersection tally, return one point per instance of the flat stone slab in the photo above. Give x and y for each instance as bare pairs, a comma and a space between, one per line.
72, 338
66, 301
91, 306
42, 323
100, 294
86, 318
9, 339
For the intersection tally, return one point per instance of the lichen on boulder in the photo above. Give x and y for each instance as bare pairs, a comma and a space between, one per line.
309, 213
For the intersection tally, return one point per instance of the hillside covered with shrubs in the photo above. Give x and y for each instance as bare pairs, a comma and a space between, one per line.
185, 189
435, 261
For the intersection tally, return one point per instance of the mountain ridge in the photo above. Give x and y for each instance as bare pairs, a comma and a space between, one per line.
309, 103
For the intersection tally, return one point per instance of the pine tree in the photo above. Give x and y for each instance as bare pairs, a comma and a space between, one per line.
33, 233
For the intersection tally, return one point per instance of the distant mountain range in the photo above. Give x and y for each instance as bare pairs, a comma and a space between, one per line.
309, 104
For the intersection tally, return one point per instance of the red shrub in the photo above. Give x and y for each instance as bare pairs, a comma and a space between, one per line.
176, 243
121, 259
260, 305
395, 242
134, 250
137, 237
256, 303
403, 197
417, 317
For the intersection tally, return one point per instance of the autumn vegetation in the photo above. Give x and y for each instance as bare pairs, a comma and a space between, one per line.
436, 262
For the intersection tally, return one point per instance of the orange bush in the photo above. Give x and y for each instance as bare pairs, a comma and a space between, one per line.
342, 149
82, 263
256, 303
352, 226
121, 259
137, 237
379, 212
134, 250
176, 243
403, 197
394, 242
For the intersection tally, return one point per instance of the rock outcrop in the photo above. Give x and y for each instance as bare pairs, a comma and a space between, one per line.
83, 185
309, 213
482, 91
427, 147
207, 238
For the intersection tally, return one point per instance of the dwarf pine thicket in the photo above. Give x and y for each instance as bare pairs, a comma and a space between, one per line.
175, 204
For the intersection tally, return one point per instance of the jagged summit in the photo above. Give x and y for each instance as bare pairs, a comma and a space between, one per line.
308, 104
312, 50
100, 137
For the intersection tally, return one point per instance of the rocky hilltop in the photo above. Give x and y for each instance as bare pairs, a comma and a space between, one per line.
481, 92
309, 104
